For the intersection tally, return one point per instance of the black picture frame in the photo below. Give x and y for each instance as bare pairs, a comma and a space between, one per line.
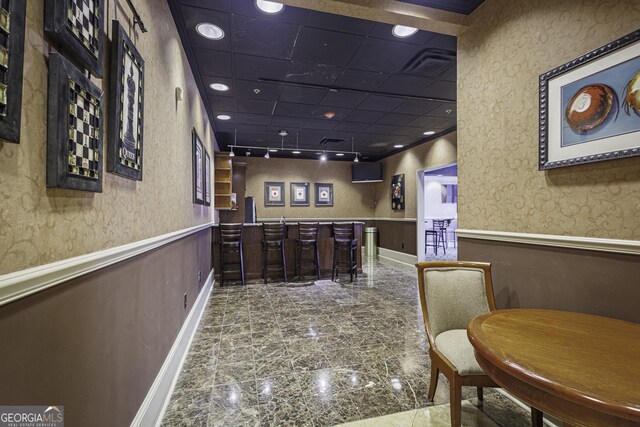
207, 178
565, 141
299, 194
198, 167
274, 193
126, 102
323, 194
12, 27
397, 192
71, 154
58, 26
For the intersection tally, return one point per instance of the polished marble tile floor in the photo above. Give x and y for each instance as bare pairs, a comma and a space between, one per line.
316, 353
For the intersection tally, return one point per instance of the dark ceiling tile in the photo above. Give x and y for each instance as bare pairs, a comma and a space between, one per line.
213, 62
383, 31
244, 129
312, 73
440, 89
256, 106
193, 16
222, 5
289, 14
447, 111
319, 124
346, 136
263, 37
381, 129
408, 131
383, 56
416, 106
302, 95
405, 84
456, 6
450, 74
380, 103
363, 116
247, 89
344, 99
286, 122
426, 122
361, 80
344, 24
222, 103
318, 46
294, 110
254, 67
442, 41
251, 119
446, 124
396, 119
351, 127
371, 138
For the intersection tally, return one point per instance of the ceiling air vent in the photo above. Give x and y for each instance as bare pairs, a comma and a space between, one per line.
331, 141
430, 62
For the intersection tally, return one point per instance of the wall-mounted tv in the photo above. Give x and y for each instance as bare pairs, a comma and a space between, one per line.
366, 172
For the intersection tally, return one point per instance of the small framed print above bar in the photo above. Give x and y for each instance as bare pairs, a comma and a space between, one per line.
126, 101
198, 164
299, 194
12, 27
274, 193
324, 194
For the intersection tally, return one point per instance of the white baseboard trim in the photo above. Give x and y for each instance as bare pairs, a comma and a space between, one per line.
400, 257
155, 403
520, 403
20, 284
631, 247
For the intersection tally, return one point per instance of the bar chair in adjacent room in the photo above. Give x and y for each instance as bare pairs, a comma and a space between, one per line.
274, 235
344, 242
231, 245
440, 227
307, 241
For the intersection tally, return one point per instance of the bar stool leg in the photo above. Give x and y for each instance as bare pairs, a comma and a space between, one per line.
351, 263
241, 266
221, 267
316, 259
284, 262
265, 255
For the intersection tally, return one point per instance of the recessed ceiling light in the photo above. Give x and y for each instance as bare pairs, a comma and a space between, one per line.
273, 150
329, 114
219, 87
295, 152
223, 117
429, 132
340, 154
398, 146
269, 6
209, 31
403, 31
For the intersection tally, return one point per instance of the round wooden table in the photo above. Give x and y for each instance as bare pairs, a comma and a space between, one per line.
580, 368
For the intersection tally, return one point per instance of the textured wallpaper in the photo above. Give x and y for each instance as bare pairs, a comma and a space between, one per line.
40, 225
500, 57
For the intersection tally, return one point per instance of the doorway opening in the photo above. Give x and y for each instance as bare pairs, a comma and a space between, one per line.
437, 220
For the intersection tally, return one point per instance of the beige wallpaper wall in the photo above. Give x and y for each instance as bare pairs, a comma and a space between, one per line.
508, 45
40, 225
438, 152
349, 200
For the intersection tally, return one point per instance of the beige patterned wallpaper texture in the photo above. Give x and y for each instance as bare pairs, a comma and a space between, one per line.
508, 45
40, 225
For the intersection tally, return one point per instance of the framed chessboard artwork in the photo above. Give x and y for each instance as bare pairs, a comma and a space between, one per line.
74, 130
12, 21
274, 193
126, 101
78, 25
299, 194
324, 194
198, 165
207, 178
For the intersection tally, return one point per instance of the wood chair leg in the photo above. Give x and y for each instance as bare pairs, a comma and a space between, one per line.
351, 265
284, 263
265, 256
455, 402
333, 264
241, 266
317, 260
536, 417
433, 383
480, 394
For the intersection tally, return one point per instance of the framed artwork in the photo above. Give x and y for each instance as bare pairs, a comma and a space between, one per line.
397, 192
12, 19
590, 107
324, 194
126, 99
299, 194
207, 178
274, 193
74, 130
78, 25
198, 164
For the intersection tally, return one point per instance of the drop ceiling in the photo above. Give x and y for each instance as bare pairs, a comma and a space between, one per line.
286, 71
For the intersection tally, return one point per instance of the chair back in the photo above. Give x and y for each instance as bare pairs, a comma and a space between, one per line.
453, 293
342, 231
440, 224
308, 231
231, 233
274, 232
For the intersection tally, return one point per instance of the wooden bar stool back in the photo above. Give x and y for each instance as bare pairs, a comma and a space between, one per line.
307, 241
343, 241
273, 240
231, 245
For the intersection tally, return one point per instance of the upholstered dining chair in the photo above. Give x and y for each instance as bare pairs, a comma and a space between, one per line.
452, 294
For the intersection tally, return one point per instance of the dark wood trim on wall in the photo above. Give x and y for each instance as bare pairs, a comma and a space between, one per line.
399, 236
532, 276
96, 343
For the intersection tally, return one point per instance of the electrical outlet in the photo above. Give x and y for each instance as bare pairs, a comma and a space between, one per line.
199, 276
403, 246
185, 301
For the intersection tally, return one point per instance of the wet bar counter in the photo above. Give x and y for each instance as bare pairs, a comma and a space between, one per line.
252, 251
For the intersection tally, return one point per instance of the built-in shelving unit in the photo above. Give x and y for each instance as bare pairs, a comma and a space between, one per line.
222, 181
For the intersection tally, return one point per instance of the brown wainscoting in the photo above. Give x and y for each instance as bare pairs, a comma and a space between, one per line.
533, 276
96, 343
399, 236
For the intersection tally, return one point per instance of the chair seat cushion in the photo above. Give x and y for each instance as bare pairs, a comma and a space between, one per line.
455, 346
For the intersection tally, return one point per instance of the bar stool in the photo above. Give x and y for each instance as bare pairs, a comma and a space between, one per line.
307, 241
230, 244
434, 240
440, 227
274, 237
343, 241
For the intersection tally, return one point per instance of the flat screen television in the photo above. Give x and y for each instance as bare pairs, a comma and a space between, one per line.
362, 172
